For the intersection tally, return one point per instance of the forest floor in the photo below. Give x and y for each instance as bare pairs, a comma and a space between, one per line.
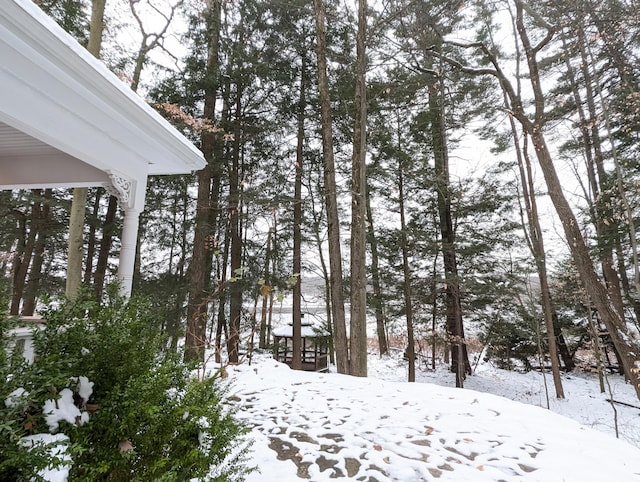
329, 426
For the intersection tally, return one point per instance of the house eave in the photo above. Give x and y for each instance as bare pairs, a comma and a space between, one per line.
58, 93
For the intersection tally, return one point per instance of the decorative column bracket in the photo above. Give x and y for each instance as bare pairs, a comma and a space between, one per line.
122, 188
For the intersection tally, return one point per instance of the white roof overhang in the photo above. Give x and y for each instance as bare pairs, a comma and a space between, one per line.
67, 121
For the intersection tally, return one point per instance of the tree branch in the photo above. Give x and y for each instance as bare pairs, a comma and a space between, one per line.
551, 30
516, 102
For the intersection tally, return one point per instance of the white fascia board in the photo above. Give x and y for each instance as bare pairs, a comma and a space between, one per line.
69, 99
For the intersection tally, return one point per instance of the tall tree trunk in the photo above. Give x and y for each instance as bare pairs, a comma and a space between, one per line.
434, 313
536, 245
221, 320
17, 262
76, 243
235, 295
335, 256
219, 223
455, 328
326, 278
91, 241
108, 231
177, 312
96, 27
358, 319
24, 252
76, 221
197, 307
35, 273
296, 360
375, 282
264, 342
408, 306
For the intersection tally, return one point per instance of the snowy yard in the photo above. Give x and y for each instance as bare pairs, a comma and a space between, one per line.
326, 426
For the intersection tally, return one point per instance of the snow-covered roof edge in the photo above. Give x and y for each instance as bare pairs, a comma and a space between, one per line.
308, 331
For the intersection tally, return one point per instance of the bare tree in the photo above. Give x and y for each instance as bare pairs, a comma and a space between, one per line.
150, 40
535, 238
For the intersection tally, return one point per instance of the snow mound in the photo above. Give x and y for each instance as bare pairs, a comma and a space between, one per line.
326, 426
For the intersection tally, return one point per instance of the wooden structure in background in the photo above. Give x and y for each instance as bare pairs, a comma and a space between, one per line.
315, 347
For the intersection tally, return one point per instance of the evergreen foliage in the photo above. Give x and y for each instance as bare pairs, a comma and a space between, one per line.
147, 418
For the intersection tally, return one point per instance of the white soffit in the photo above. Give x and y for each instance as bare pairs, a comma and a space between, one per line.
72, 106
22, 158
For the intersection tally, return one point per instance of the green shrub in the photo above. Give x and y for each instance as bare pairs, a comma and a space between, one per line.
16, 463
153, 421
510, 344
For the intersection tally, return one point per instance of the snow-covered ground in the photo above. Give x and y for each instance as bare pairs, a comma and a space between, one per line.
380, 428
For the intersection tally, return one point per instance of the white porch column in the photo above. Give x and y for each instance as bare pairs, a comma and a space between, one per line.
128, 243
131, 195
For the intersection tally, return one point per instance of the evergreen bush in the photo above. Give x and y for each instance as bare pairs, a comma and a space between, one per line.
144, 418
511, 344
16, 463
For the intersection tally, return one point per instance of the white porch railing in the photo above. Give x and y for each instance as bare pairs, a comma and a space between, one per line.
22, 336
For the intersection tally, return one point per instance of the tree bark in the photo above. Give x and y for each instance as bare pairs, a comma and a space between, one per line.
408, 306
24, 252
263, 342
375, 282
235, 295
358, 318
91, 242
296, 361
335, 256
455, 328
221, 324
76, 242
197, 308
35, 273
76, 221
96, 27
108, 231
